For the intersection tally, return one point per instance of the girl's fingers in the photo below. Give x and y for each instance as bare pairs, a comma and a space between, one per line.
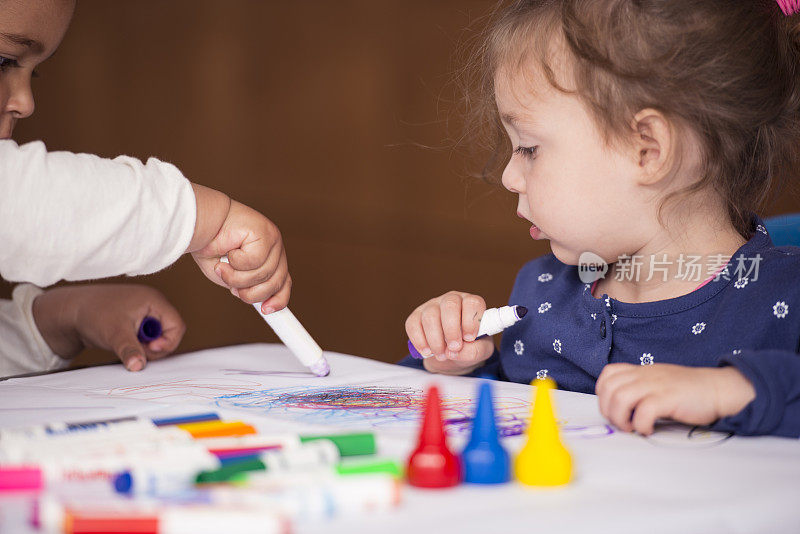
451, 322
416, 335
472, 309
623, 401
609, 373
647, 412
432, 326
611, 387
472, 352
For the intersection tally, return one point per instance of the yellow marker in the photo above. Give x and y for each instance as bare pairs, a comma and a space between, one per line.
543, 461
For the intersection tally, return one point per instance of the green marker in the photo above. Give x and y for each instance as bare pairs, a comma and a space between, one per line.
230, 470
320, 453
386, 466
348, 444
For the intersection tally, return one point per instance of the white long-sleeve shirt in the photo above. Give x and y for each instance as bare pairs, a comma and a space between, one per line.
22, 347
66, 216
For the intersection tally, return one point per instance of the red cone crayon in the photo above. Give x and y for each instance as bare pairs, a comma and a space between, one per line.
433, 464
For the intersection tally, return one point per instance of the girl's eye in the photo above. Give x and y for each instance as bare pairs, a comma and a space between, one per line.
526, 151
6, 63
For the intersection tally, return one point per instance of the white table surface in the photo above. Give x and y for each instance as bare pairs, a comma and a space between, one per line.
675, 481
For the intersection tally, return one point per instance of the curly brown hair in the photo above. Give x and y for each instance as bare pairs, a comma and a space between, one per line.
729, 70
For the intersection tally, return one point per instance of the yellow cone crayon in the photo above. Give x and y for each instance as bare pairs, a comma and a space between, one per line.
543, 461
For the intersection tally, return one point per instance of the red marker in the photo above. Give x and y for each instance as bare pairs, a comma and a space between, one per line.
132, 518
433, 464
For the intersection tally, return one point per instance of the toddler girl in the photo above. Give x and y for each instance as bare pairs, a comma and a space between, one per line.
644, 136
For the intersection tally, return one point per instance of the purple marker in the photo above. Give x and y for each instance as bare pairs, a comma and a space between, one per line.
149, 330
493, 321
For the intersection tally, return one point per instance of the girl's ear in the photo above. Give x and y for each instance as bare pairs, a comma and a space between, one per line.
654, 143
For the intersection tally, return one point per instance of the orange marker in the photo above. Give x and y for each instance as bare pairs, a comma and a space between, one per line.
215, 429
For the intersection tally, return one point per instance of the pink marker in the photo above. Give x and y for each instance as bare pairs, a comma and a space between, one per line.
21, 478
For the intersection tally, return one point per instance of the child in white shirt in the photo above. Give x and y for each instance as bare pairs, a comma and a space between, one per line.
78, 216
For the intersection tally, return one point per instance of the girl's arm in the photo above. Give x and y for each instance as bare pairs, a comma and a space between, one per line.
756, 392
775, 375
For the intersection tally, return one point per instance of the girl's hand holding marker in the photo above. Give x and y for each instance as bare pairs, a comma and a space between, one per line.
456, 329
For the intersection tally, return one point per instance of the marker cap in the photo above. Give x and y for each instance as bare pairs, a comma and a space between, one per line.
149, 330
389, 467
21, 478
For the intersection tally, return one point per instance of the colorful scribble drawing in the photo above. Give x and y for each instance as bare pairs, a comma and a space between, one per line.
285, 374
343, 405
188, 389
384, 407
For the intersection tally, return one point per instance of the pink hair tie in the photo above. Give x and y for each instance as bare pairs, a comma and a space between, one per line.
789, 7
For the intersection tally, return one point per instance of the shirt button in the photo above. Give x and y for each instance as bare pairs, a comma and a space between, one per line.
603, 328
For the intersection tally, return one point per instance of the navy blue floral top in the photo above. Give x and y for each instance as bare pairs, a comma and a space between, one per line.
746, 317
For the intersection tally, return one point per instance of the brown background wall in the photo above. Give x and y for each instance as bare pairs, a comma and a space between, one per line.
312, 112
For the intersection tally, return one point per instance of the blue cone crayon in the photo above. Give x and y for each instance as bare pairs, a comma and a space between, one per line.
484, 459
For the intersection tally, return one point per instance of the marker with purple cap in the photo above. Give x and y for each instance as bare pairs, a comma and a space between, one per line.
149, 330
493, 321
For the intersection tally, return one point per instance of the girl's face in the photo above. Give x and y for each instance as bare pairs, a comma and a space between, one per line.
30, 31
575, 190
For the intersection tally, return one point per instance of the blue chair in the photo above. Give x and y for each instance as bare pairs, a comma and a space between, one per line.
784, 229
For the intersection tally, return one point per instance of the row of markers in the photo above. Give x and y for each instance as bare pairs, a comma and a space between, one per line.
543, 461
199, 474
194, 474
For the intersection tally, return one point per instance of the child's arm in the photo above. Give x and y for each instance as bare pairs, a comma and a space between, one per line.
107, 316
78, 216
634, 396
754, 392
445, 328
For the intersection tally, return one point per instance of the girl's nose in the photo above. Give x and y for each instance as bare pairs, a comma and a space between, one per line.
20, 103
513, 179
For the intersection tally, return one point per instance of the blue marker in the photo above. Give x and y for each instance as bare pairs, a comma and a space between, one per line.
183, 419
149, 330
484, 459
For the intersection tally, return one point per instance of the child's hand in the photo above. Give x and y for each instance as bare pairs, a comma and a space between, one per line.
446, 327
258, 270
632, 397
107, 316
